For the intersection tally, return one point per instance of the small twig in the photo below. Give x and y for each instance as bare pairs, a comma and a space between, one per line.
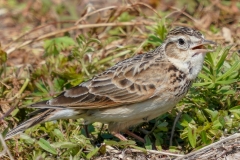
35, 29
184, 13
113, 7
7, 86
159, 152
165, 153
93, 12
223, 7
82, 26
5, 150
170, 14
148, 6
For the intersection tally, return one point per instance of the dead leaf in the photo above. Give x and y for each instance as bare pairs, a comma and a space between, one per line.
227, 35
5, 107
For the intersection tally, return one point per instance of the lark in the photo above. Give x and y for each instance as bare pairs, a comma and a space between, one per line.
132, 91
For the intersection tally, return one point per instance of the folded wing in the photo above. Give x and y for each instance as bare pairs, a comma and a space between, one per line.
130, 81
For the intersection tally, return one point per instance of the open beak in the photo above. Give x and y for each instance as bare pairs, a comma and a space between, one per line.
200, 48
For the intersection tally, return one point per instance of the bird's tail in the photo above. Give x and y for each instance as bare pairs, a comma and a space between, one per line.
42, 116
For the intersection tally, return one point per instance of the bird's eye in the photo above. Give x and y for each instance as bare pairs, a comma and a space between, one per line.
181, 41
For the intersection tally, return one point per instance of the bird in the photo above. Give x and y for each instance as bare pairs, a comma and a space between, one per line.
132, 91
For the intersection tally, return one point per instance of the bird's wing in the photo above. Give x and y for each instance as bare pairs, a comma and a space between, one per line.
130, 81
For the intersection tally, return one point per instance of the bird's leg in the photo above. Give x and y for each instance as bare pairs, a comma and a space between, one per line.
86, 130
134, 136
119, 136
122, 138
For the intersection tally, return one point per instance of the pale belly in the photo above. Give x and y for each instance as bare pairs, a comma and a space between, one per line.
120, 118
144, 111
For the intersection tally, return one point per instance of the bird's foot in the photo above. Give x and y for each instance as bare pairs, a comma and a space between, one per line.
134, 136
122, 138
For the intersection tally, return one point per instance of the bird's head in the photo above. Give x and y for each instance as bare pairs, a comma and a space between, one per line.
186, 44
186, 49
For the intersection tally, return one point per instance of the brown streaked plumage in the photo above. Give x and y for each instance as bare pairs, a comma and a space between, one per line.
134, 90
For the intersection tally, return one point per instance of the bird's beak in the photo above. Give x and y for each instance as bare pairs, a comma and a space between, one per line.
200, 48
